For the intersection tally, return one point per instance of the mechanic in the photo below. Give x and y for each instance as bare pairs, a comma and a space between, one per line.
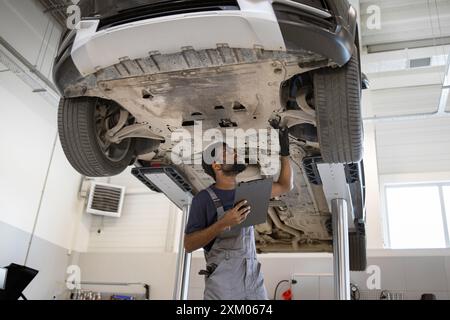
232, 272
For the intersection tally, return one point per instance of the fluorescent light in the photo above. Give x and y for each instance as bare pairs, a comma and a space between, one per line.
168, 181
444, 99
445, 89
447, 75
3, 273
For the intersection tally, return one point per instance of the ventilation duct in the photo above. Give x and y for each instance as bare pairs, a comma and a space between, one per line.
106, 200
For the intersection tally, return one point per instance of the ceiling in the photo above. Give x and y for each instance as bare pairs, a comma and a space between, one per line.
406, 24
410, 31
3, 67
57, 8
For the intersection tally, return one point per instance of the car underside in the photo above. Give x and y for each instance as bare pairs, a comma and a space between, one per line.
125, 112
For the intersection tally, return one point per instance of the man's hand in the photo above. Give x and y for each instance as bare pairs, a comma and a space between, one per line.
235, 216
283, 135
232, 217
285, 181
284, 142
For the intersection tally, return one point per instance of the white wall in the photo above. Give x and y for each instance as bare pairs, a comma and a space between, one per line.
39, 214
404, 150
148, 222
28, 132
414, 146
155, 269
28, 129
400, 272
143, 227
24, 26
138, 247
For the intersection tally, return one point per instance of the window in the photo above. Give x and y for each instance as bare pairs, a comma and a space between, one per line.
418, 216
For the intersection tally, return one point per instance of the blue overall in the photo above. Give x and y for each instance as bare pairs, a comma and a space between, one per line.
238, 274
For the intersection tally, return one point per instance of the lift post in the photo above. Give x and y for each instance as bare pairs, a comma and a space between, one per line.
341, 262
337, 193
184, 259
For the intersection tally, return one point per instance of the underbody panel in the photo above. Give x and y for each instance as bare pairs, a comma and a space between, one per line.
222, 88
171, 66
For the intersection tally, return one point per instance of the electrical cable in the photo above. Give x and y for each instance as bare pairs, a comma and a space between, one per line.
44, 187
276, 288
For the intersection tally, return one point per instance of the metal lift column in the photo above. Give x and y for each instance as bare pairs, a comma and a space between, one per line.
183, 263
338, 196
341, 262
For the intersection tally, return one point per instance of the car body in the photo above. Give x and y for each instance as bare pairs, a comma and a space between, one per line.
134, 72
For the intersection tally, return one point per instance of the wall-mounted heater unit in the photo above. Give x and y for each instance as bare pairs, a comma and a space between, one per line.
106, 200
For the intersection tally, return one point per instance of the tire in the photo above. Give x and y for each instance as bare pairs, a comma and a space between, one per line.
337, 99
358, 251
78, 134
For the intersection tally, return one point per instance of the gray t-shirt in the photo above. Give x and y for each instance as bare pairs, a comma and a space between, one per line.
203, 212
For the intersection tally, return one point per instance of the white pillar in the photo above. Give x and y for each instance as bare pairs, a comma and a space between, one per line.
183, 269
341, 261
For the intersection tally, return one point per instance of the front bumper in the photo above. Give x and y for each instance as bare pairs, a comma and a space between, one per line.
94, 50
260, 24
332, 37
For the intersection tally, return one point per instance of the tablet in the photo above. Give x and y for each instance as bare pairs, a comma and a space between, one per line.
258, 194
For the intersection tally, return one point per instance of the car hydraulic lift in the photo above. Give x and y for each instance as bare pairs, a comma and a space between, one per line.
168, 181
337, 193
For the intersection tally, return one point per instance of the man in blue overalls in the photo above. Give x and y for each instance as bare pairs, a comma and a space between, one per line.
233, 271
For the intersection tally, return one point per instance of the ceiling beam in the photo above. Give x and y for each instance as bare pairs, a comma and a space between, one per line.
384, 47
56, 9
20, 66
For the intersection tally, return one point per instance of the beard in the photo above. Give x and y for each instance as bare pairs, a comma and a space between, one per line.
232, 170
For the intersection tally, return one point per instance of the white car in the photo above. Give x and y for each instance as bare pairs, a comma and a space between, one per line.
133, 72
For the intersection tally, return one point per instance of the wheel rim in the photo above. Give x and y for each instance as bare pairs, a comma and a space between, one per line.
106, 118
